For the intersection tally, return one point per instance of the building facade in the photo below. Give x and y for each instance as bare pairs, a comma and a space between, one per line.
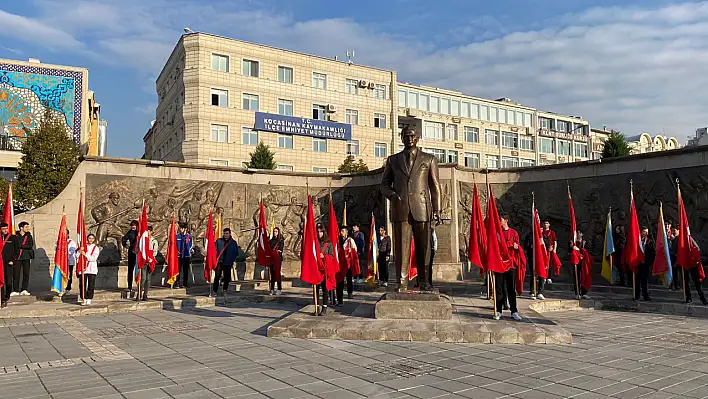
27, 89
701, 137
639, 144
220, 97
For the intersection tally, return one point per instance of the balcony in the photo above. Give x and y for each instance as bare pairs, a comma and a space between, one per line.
10, 143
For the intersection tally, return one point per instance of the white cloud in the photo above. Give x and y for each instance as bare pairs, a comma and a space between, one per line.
636, 69
33, 31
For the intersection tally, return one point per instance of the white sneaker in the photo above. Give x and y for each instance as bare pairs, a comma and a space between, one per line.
578, 297
24, 293
88, 302
79, 301
13, 293
497, 316
533, 297
271, 292
516, 316
541, 297
585, 297
549, 281
278, 292
385, 284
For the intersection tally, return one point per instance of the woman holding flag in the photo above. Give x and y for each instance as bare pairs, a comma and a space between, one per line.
327, 267
277, 244
87, 279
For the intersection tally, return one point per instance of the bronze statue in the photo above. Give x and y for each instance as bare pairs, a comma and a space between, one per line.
410, 181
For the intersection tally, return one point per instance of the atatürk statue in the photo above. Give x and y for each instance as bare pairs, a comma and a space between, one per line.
410, 181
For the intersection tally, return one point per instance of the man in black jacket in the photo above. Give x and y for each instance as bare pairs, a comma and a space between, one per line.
384, 253
647, 243
129, 240
22, 265
8, 246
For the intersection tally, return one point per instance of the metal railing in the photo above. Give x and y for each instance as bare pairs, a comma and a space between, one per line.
10, 143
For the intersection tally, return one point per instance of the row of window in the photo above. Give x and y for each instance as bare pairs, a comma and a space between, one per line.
220, 134
473, 159
289, 168
466, 109
562, 126
562, 147
286, 75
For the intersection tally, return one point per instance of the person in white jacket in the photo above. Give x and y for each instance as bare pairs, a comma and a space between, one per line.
88, 278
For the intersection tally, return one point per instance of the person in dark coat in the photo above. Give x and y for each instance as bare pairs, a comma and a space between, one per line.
227, 252
24, 257
10, 250
620, 240
642, 277
129, 241
383, 257
184, 255
277, 244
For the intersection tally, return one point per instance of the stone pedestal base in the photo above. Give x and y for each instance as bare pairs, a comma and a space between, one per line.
413, 306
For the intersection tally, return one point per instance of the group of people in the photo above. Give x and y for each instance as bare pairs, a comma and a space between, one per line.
17, 252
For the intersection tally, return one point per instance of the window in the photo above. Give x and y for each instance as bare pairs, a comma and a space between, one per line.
502, 116
451, 156
474, 111
351, 86
564, 148
218, 162
455, 108
285, 107
510, 140
220, 63
380, 91
434, 104
285, 141
288, 168
492, 162
351, 116
285, 74
471, 160
451, 132
491, 137
563, 126
319, 80
439, 154
528, 121
220, 133
492, 114
380, 150
319, 170
445, 106
423, 102
220, 98
402, 98
579, 129
484, 113
526, 162
581, 150
250, 68
545, 123
319, 145
412, 99
319, 112
250, 102
509, 162
465, 111
380, 120
432, 131
471, 134
526, 143
546, 145
352, 148
250, 136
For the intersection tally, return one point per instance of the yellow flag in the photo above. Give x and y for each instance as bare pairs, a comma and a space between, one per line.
344, 219
272, 225
219, 227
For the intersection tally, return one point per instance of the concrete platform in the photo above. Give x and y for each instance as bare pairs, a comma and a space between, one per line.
471, 322
413, 306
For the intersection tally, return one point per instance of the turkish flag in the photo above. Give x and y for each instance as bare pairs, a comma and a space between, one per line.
475, 248
574, 253
633, 252
496, 257
264, 256
172, 258
540, 252
414, 268
209, 249
688, 255
309, 267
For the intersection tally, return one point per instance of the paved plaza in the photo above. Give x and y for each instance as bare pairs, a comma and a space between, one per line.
222, 352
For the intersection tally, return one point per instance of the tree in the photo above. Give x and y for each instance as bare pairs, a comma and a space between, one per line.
349, 166
49, 159
615, 146
262, 158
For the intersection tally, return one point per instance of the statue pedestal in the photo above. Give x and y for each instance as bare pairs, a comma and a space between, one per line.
413, 305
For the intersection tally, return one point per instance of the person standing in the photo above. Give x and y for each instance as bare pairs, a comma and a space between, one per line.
360, 241
384, 255
149, 266
326, 266
227, 251
642, 276
620, 240
22, 265
130, 241
579, 245
673, 252
10, 249
433, 250
507, 280
72, 254
184, 255
549, 238
690, 274
277, 244
347, 261
87, 279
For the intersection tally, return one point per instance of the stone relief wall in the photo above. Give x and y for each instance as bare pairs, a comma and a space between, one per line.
112, 202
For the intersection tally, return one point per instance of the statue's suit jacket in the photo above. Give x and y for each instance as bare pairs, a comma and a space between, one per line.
418, 188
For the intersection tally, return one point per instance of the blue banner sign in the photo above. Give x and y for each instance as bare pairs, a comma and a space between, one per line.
302, 126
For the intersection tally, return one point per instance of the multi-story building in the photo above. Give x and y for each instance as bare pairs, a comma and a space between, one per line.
220, 97
639, 144
701, 137
27, 89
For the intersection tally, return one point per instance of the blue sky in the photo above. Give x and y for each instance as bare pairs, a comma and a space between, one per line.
632, 65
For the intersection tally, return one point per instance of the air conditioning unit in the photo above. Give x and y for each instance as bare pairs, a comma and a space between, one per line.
363, 83
515, 153
372, 85
411, 112
331, 108
456, 119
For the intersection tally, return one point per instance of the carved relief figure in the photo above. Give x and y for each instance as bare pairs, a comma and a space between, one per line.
105, 215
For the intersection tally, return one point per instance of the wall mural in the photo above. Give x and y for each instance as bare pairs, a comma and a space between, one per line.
25, 90
112, 202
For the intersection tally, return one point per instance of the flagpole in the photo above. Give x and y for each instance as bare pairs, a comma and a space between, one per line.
683, 276
82, 282
533, 233
575, 239
612, 274
634, 274
140, 270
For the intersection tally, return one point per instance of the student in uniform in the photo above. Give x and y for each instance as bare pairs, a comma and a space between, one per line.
277, 244
507, 281
87, 278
